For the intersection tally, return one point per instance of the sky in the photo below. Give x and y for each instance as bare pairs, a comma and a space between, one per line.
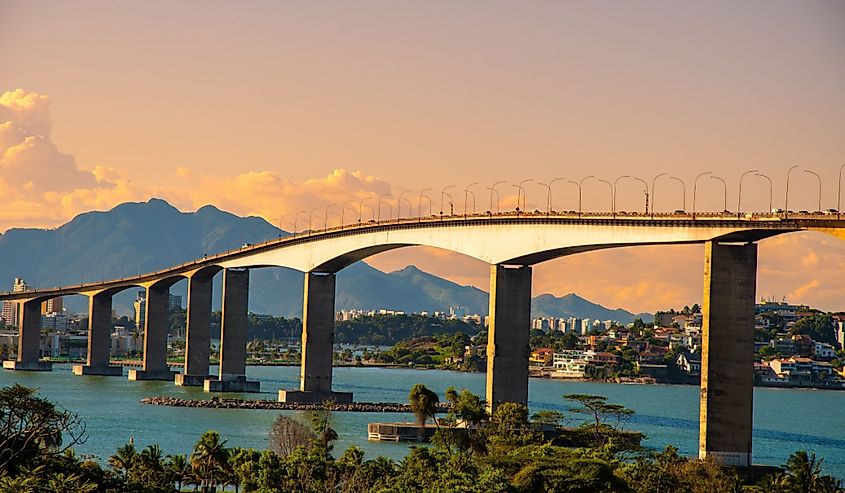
270, 108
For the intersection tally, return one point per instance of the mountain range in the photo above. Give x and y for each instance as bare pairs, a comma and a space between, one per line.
141, 237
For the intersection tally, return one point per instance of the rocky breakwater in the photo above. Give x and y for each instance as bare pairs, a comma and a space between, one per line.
218, 403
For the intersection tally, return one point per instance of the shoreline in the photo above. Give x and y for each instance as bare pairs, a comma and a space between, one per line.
268, 405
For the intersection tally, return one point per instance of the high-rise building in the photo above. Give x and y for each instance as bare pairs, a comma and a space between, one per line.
54, 305
11, 309
173, 302
140, 310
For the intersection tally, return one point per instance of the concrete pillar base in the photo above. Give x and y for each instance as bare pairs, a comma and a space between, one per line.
238, 385
735, 459
108, 371
27, 365
182, 380
314, 397
164, 375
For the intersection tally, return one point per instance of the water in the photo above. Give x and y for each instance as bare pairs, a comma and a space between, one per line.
785, 420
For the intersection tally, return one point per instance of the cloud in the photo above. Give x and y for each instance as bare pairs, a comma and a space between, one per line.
39, 185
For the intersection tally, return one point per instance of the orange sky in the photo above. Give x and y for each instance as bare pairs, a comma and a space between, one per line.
268, 108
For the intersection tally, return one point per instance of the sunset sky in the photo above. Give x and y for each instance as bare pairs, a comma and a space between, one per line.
268, 108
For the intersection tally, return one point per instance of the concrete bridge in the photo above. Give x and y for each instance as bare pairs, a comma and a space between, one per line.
511, 243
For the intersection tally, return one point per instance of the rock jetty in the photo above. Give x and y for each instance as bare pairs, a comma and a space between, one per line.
217, 403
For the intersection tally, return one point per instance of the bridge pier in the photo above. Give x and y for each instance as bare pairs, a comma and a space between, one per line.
29, 339
233, 327
315, 381
508, 335
99, 338
155, 335
727, 377
197, 331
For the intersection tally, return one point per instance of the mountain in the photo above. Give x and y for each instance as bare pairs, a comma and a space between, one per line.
141, 237
572, 305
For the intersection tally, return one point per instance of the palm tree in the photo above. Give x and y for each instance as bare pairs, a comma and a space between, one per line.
180, 469
124, 458
423, 404
151, 457
804, 471
210, 461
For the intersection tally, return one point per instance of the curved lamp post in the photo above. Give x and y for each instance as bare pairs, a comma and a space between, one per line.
653, 197
442, 194
419, 205
399, 205
361, 209
381, 197
521, 193
820, 187
326, 218
492, 189
612, 205
549, 194
739, 195
343, 211
467, 192
579, 184
684, 190
695, 189
839, 192
725, 185
311, 219
615, 183
295, 218
645, 186
786, 198
771, 189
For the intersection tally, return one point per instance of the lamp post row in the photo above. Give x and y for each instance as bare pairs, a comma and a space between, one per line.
521, 199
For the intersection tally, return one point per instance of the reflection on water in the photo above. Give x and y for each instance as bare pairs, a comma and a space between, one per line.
785, 420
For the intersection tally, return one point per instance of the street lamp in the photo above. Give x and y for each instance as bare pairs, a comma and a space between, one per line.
653, 197
311, 218
579, 184
739, 195
786, 199
549, 194
281, 221
492, 189
724, 184
684, 189
467, 192
771, 188
378, 218
820, 187
521, 193
326, 219
419, 205
295, 218
343, 211
616, 182
645, 185
361, 208
612, 210
399, 205
839, 193
442, 194
695, 189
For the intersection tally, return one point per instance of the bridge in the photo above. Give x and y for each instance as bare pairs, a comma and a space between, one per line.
511, 243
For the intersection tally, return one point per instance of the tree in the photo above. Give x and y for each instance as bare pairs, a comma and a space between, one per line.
210, 461
287, 434
33, 428
423, 403
804, 474
601, 411
819, 327
124, 458
180, 469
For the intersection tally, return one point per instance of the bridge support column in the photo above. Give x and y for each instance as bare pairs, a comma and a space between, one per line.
155, 336
508, 335
233, 327
315, 381
29, 339
99, 338
197, 332
727, 377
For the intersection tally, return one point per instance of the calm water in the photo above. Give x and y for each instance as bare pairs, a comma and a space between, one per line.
785, 420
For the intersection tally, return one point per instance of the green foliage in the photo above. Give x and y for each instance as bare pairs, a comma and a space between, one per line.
384, 330
819, 327
607, 418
